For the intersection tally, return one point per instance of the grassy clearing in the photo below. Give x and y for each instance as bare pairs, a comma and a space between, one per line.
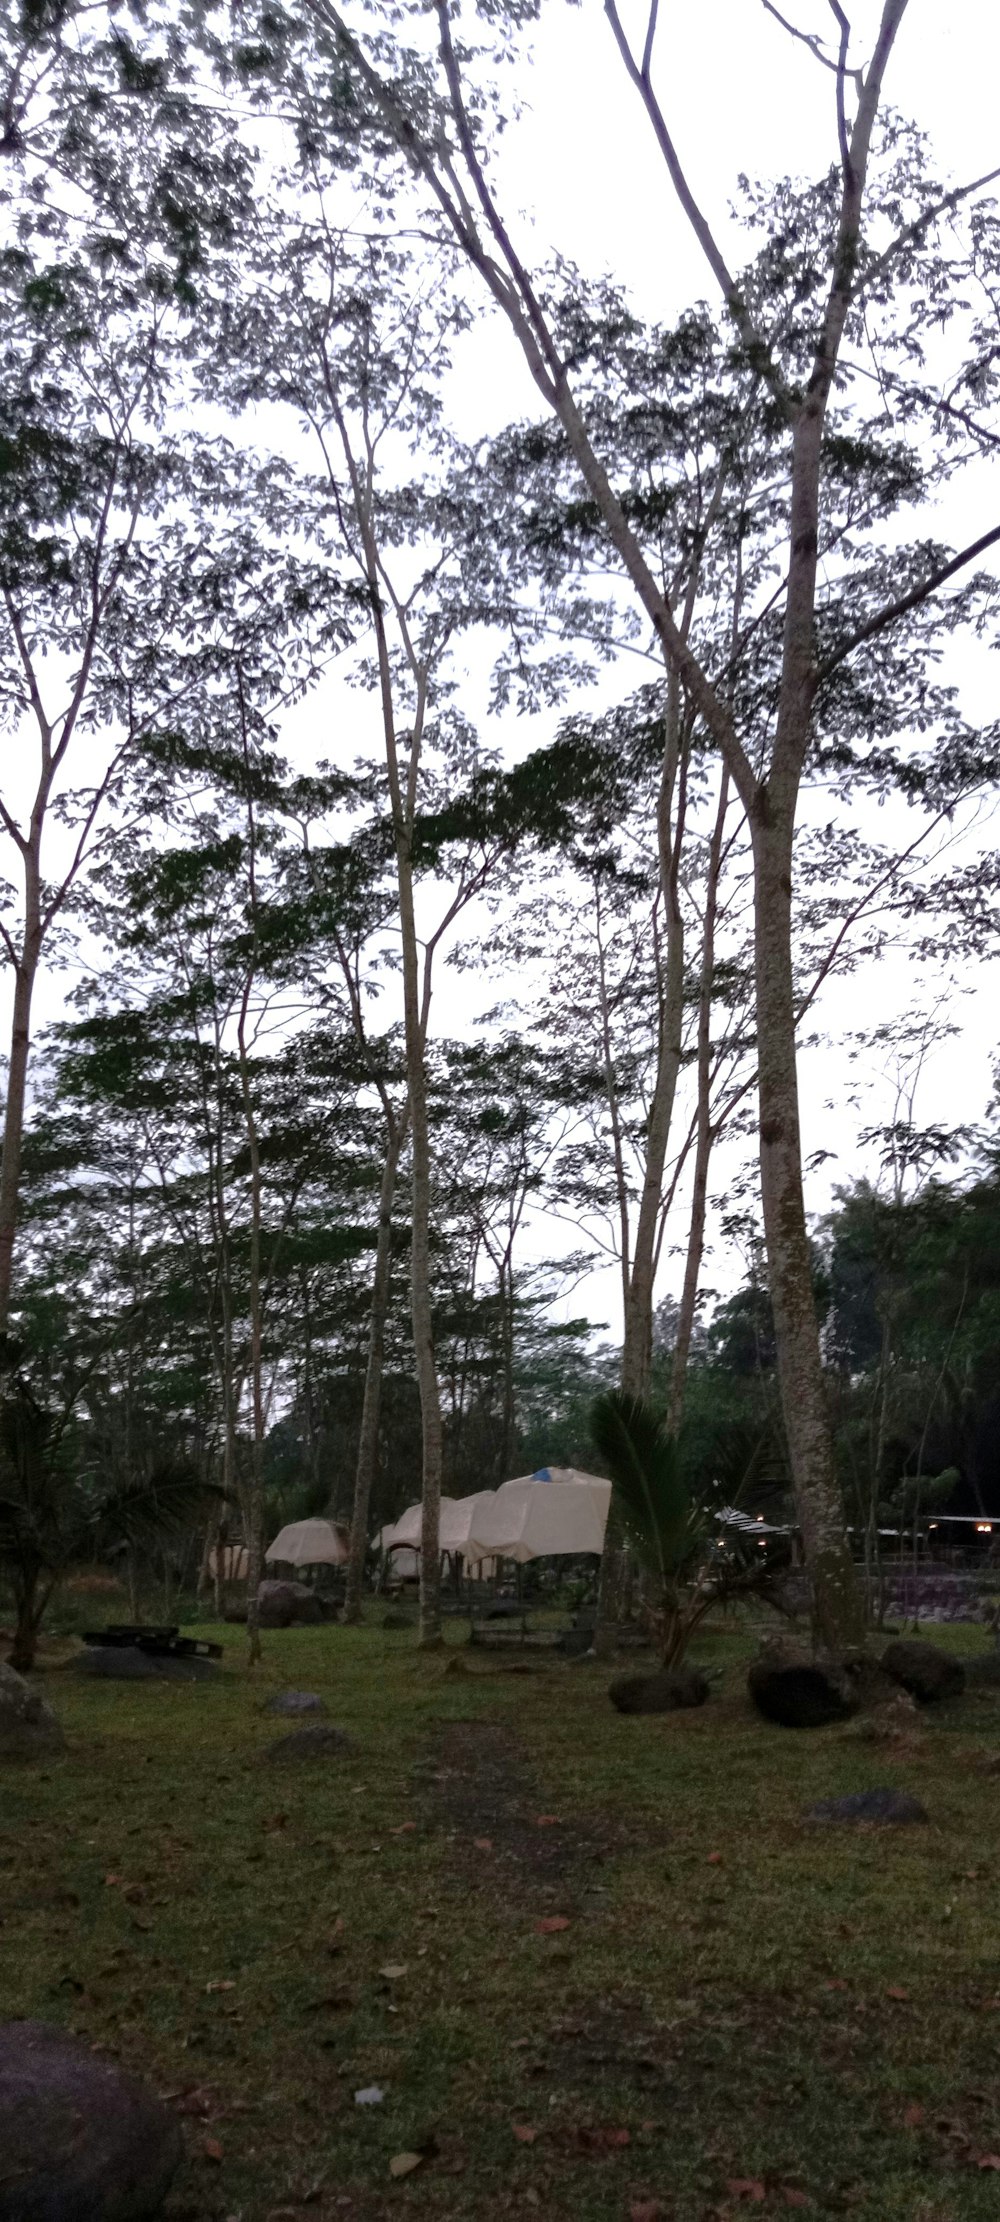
811, 2015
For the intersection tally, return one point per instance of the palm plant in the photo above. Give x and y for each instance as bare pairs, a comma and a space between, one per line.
670, 1534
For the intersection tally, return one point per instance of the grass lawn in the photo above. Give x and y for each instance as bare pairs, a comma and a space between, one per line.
738, 2013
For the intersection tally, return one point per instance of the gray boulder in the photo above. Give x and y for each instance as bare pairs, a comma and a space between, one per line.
288, 1605
307, 1744
28, 1726
879, 1808
666, 1692
798, 1691
79, 2140
295, 1701
928, 1674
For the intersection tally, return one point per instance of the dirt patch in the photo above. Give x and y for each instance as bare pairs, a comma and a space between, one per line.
483, 1794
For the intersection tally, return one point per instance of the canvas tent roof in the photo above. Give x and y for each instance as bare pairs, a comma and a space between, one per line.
534, 1519
309, 1543
457, 1516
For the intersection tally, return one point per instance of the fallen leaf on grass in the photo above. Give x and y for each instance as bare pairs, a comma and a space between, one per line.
989, 2160
913, 2116
393, 1972
551, 1925
524, 2135
793, 2198
714, 1859
897, 1990
746, 2187
220, 1986
403, 2164
603, 2140
836, 1983
646, 2210
405, 1828
546, 1820
212, 2149
483, 1843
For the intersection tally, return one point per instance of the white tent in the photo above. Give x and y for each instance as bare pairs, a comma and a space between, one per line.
457, 1516
309, 1543
541, 1518
230, 1561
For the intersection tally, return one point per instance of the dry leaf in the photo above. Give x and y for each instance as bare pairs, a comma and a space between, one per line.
646, 2210
547, 1820
714, 1859
551, 1925
603, 2140
220, 1986
746, 2187
404, 1829
483, 1843
403, 2164
897, 1990
212, 2149
836, 1983
393, 1972
913, 2116
524, 2135
989, 2160
793, 2198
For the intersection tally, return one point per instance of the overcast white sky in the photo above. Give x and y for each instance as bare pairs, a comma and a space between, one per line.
579, 172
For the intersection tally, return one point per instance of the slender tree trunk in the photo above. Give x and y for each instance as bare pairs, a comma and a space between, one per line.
838, 1614
368, 1441
420, 1277
22, 1654
703, 1136
13, 1125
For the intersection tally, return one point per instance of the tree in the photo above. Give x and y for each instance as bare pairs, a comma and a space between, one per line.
818, 285
99, 294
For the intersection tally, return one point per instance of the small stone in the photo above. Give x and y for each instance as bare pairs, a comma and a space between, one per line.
295, 1701
879, 1808
928, 1674
317, 1742
666, 1692
79, 2140
28, 1726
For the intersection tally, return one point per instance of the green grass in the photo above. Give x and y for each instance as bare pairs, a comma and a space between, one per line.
221, 1924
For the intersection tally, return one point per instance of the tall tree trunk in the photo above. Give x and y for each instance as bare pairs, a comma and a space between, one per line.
368, 1440
420, 1281
837, 1606
703, 1131
13, 1124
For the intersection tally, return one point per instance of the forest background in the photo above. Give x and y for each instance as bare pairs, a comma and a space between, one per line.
380, 891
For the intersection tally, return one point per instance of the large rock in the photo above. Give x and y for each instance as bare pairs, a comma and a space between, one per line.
876, 1808
28, 1726
799, 1691
79, 2141
318, 1742
928, 1674
665, 1692
288, 1605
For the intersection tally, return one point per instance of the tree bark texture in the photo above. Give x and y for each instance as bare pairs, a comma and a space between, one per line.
838, 1614
368, 1439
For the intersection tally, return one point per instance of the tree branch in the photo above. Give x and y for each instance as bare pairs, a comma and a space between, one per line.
757, 350
910, 601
